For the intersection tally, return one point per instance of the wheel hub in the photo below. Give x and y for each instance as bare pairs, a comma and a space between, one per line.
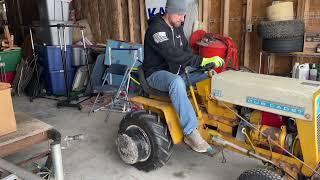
133, 145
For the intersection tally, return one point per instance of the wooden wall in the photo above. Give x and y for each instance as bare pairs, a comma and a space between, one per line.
110, 19
104, 20
126, 20
21, 12
237, 29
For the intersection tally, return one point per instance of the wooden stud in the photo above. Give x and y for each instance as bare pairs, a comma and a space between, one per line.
119, 20
221, 15
243, 33
226, 16
272, 63
302, 14
306, 12
303, 10
142, 19
130, 14
247, 35
200, 10
205, 14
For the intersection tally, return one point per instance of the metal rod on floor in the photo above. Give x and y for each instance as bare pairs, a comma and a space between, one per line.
57, 161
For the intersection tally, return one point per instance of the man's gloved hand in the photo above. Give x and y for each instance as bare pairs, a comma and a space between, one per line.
215, 61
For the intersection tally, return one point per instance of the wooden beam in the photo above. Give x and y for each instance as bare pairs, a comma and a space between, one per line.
272, 63
303, 10
142, 19
302, 14
119, 16
247, 35
226, 16
23, 144
222, 16
200, 10
130, 14
205, 14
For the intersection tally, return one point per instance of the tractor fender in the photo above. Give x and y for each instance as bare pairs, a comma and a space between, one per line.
167, 112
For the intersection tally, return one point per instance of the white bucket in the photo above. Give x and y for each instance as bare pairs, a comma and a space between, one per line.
280, 11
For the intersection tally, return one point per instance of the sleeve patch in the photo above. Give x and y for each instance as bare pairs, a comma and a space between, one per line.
160, 37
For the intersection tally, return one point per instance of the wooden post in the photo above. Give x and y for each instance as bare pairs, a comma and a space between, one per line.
302, 14
247, 35
200, 10
142, 20
130, 13
272, 63
119, 20
222, 16
205, 14
303, 10
226, 17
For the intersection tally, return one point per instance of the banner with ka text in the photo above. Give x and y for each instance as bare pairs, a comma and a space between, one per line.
154, 7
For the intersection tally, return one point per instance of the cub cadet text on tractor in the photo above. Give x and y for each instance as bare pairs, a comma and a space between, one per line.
234, 110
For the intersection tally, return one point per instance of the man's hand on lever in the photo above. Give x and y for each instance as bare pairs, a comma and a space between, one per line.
213, 62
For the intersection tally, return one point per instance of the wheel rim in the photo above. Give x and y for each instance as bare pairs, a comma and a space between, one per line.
134, 145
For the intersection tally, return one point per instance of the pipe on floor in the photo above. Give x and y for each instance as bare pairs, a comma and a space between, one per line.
57, 161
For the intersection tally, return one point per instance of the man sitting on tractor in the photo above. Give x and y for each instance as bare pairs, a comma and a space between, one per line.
167, 55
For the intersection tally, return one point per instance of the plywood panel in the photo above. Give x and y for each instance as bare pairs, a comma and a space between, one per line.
107, 27
136, 21
95, 20
215, 22
103, 21
125, 20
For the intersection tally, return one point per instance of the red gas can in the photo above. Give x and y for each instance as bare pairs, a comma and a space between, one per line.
215, 48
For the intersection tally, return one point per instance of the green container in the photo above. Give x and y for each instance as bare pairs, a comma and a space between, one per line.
10, 60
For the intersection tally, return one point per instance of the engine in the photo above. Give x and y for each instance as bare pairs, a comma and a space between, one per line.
279, 129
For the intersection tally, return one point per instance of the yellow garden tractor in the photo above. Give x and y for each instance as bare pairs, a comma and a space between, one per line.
236, 111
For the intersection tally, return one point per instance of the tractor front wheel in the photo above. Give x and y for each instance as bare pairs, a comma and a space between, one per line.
261, 174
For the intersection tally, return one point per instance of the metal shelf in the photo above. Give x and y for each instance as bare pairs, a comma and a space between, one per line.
299, 54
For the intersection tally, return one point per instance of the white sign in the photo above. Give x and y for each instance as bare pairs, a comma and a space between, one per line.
154, 7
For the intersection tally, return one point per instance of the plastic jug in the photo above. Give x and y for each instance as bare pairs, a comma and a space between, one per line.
303, 71
294, 70
313, 73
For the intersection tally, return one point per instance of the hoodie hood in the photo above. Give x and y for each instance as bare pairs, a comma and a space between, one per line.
157, 19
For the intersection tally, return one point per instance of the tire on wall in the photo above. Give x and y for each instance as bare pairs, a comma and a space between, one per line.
281, 29
283, 45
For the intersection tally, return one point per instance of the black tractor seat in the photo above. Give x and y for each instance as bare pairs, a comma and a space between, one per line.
145, 86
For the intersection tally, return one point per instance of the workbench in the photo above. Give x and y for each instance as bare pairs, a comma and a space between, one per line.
31, 131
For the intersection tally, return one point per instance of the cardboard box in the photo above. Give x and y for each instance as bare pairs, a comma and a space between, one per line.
312, 36
7, 118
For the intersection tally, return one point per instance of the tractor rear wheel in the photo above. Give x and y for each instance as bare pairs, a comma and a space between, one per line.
144, 141
261, 174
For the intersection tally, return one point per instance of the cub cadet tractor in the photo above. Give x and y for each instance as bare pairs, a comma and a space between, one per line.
236, 111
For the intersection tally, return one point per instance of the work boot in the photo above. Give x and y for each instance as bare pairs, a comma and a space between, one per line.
197, 143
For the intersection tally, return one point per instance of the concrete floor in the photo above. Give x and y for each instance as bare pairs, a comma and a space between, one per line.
95, 157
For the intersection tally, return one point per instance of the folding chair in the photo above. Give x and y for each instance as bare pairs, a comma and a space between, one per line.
119, 93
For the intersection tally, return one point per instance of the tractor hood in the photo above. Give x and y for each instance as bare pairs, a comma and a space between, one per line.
279, 95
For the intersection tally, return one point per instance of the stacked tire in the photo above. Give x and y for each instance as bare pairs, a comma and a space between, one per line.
282, 36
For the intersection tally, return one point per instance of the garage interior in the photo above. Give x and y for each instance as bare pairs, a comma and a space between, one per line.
61, 106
